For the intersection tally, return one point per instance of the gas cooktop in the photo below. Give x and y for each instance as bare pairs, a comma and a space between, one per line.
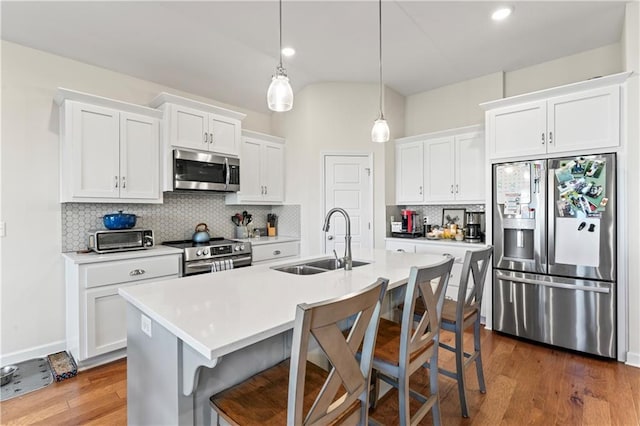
183, 244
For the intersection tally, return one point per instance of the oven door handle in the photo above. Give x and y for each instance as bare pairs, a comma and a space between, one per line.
235, 261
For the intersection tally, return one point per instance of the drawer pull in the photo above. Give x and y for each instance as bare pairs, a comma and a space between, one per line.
276, 252
136, 272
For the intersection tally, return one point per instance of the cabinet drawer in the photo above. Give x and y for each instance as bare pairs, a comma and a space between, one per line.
275, 251
123, 271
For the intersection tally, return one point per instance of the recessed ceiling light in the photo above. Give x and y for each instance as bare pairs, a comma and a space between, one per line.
288, 51
501, 13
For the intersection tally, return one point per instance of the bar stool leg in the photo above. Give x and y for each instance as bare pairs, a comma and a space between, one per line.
433, 385
403, 399
476, 345
460, 370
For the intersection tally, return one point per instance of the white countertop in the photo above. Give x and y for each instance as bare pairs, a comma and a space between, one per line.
92, 257
269, 240
442, 241
222, 312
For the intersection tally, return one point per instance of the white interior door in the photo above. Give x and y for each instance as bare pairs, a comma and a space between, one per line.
348, 184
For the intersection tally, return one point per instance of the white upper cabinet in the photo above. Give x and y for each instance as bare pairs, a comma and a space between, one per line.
441, 167
577, 118
109, 150
199, 126
409, 172
439, 160
261, 170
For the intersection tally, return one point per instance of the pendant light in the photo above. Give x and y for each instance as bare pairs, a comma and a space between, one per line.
280, 95
380, 131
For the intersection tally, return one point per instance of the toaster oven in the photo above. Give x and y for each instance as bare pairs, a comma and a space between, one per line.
106, 241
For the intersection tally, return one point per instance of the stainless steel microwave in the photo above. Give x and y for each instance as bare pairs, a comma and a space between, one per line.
106, 241
200, 171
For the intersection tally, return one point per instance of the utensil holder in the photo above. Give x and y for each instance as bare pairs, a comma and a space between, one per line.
242, 232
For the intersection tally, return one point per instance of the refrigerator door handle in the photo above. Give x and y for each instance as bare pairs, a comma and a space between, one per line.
550, 284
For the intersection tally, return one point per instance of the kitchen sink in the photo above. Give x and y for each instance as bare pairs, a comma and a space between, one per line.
331, 264
300, 269
314, 266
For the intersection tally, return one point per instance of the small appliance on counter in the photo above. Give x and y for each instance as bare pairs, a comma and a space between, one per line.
474, 228
411, 228
107, 241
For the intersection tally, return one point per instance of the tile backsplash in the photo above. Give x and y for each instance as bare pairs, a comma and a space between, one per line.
175, 219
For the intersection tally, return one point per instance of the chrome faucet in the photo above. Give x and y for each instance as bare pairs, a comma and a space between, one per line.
346, 260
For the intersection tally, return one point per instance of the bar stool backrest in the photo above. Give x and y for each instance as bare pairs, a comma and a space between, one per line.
348, 374
474, 269
420, 285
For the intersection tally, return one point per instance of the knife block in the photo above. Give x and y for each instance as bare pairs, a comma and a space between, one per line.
271, 231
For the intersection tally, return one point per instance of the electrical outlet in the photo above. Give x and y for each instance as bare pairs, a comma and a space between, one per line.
145, 324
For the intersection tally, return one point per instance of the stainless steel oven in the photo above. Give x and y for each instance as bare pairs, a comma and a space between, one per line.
213, 256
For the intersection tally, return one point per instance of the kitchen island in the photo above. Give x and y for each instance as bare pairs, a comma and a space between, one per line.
233, 323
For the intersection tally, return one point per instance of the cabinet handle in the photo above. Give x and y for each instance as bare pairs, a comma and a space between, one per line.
135, 272
115, 178
542, 138
420, 190
550, 137
210, 137
206, 140
456, 188
452, 189
265, 190
276, 252
124, 182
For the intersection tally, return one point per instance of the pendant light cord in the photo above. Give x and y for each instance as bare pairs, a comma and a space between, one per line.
380, 51
280, 35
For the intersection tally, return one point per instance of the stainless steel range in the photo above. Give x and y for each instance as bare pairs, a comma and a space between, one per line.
218, 254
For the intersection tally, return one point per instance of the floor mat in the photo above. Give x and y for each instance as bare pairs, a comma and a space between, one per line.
30, 375
62, 365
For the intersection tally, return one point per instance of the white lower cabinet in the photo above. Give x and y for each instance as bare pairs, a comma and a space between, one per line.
271, 252
96, 314
400, 246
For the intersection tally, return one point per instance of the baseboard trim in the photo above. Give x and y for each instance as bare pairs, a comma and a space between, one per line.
633, 359
35, 352
101, 359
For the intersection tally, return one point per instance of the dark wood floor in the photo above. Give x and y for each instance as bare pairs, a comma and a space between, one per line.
526, 384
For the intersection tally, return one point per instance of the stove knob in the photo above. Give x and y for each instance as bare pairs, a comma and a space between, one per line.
237, 248
199, 253
242, 247
206, 252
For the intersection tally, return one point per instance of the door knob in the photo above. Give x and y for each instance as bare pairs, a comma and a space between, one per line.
330, 237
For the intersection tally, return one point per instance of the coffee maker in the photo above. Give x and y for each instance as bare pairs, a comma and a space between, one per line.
474, 229
410, 226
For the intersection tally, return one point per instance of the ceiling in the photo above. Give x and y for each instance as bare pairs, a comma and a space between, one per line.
228, 50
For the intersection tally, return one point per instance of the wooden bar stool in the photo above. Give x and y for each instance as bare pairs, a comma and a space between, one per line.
297, 392
459, 315
401, 349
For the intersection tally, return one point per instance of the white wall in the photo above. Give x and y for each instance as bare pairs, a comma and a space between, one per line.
631, 58
333, 117
32, 296
569, 69
451, 106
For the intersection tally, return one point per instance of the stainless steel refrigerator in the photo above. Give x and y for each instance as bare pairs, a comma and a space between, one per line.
554, 236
